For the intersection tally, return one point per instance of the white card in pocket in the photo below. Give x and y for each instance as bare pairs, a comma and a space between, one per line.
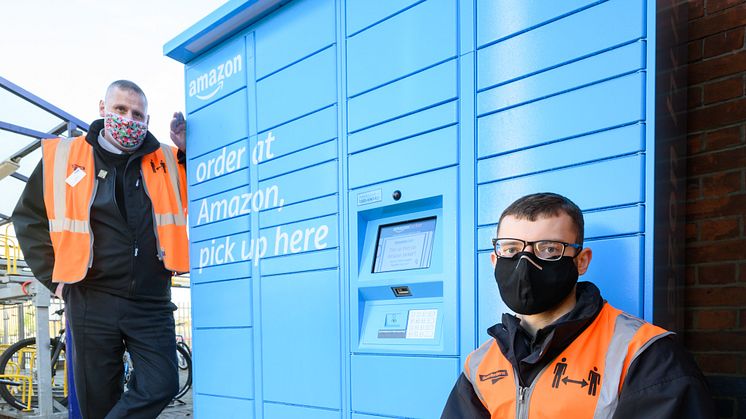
76, 176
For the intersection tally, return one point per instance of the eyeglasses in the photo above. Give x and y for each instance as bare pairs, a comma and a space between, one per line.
543, 249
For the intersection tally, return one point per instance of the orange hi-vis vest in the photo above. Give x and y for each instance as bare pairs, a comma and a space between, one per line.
70, 187
584, 381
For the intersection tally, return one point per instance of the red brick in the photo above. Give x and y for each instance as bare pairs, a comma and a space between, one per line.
716, 207
695, 50
715, 297
690, 275
718, 115
695, 144
716, 23
718, 5
716, 341
715, 68
723, 90
691, 231
726, 137
715, 319
693, 192
721, 363
694, 97
717, 161
688, 319
724, 42
742, 320
696, 9
742, 278
720, 251
721, 184
724, 273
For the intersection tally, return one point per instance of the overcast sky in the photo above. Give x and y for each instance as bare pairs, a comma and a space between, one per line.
67, 52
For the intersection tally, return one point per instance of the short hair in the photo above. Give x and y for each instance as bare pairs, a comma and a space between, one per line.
127, 85
546, 204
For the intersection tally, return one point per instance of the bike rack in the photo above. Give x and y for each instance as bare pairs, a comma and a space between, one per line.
48, 407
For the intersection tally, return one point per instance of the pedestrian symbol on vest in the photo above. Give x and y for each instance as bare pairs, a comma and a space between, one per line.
559, 371
495, 376
594, 377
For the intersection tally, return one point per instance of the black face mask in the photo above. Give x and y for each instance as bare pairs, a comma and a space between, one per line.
529, 285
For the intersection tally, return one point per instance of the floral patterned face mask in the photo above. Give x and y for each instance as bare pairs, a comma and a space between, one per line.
128, 134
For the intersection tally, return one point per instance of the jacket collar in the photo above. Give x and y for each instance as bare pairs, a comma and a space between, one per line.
518, 345
148, 146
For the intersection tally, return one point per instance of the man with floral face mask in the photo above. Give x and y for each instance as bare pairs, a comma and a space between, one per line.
102, 223
568, 353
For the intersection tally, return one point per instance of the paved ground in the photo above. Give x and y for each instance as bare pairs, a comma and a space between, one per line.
179, 409
176, 410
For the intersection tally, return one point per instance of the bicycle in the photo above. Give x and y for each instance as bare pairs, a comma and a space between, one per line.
180, 342
18, 386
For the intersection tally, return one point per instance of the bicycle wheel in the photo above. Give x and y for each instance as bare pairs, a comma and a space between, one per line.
185, 375
180, 359
20, 360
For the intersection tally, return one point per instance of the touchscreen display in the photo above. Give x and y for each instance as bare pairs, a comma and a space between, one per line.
405, 245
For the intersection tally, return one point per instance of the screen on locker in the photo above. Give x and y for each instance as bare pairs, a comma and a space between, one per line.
403, 278
404, 245
402, 289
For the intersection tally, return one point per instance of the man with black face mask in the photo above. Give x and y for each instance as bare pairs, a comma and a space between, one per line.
568, 353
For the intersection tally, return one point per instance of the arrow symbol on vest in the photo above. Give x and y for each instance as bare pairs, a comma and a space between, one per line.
568, 380
494, 376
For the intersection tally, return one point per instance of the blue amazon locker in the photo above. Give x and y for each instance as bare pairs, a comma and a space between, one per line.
348, 161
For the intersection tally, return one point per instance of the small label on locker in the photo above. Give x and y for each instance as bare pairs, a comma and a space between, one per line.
421, 324
370, 197
392, 334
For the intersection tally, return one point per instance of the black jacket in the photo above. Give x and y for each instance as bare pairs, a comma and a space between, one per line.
663, 382
125, 260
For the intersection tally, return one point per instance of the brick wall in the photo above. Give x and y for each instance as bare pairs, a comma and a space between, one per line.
715, 302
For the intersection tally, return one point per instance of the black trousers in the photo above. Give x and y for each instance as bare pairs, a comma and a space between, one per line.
103, 326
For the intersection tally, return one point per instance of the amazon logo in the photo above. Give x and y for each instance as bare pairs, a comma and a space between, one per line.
209, 83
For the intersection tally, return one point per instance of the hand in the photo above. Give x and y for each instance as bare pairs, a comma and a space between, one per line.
58, 291
178, 131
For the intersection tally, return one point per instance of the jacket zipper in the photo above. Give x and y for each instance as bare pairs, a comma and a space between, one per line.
523, 394
132, 270
521, 405
90, 230
135, 249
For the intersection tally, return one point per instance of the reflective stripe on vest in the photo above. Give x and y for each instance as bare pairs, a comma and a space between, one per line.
584, 381
165, 179
68, 205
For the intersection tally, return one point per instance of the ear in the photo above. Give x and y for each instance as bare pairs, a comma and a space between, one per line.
147, 120
101, 108
493, 259
583, 260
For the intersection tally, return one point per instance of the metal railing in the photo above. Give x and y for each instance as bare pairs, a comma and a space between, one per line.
11, 252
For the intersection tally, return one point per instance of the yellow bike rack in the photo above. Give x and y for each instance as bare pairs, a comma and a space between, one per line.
12, 251
27, 381
27, 388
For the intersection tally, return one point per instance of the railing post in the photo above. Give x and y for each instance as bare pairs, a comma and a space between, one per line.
43, 357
